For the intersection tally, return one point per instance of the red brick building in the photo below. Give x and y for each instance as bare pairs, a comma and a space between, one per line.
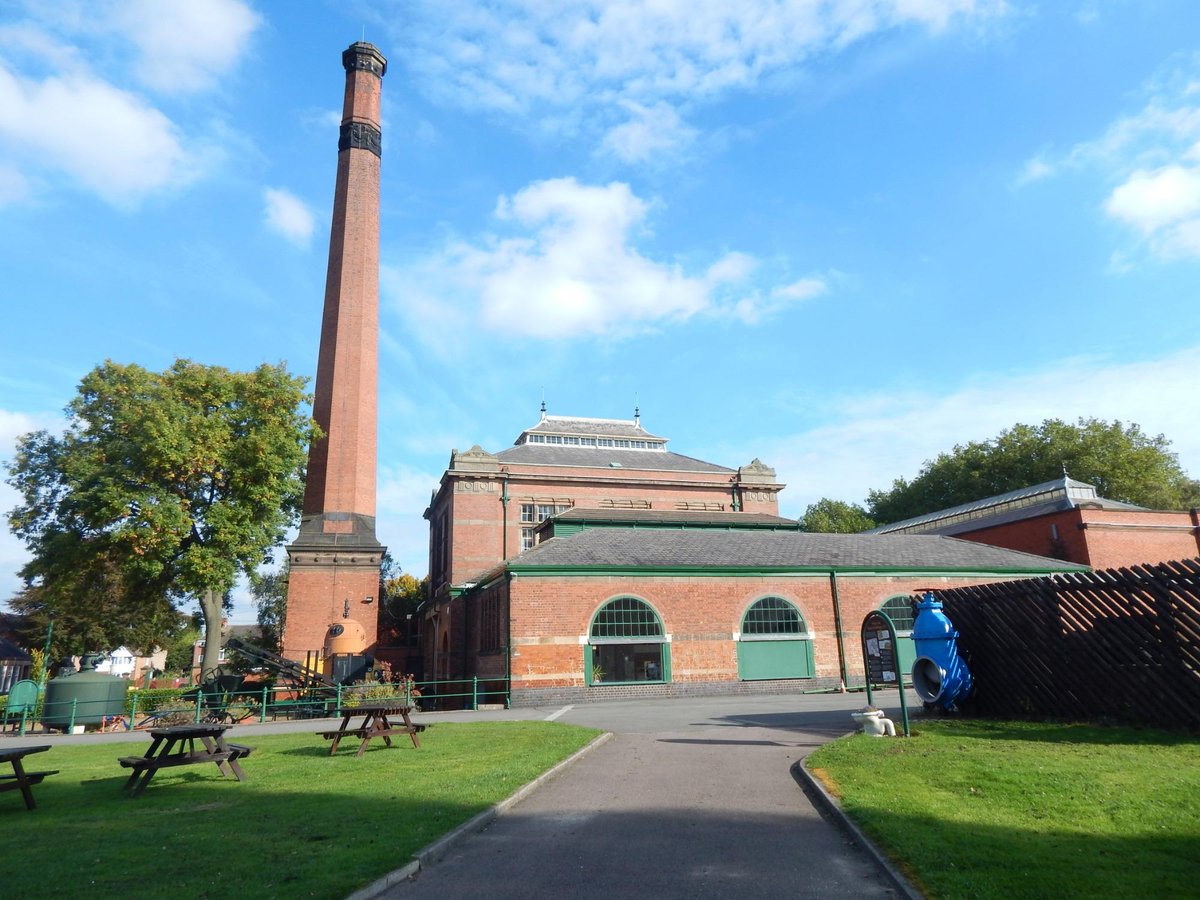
589, 561
488, 506
657, 606
1065, 519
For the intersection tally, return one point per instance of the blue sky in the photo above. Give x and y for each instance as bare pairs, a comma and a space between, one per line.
837, 236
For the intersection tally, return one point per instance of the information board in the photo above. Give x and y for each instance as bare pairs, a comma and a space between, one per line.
882, 658
879, 650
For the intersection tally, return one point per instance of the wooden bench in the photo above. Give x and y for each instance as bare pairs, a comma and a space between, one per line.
177, 746
20, 780
375, 723
363, 732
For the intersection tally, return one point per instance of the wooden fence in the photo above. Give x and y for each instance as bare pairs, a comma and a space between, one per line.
1119, 643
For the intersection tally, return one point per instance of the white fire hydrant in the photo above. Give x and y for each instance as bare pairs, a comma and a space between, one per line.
873, 722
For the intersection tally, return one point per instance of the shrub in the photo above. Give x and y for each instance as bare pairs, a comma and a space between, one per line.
181, 713
363, 691
151, 699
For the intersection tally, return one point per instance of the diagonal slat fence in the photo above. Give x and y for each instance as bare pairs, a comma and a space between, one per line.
1118, 643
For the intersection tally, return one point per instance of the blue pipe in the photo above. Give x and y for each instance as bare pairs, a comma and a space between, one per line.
939, 674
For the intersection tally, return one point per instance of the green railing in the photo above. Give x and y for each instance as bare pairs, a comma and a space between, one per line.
146, 708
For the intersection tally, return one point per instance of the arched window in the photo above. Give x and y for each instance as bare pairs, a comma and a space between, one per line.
900, 610
774, 642
626, 644
773, 615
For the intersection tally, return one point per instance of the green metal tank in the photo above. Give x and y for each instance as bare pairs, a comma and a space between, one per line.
84, 697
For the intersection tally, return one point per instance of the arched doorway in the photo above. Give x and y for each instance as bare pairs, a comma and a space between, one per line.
774, 642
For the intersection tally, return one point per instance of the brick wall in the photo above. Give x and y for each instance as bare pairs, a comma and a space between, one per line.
477, 517
1100, 538
551, 618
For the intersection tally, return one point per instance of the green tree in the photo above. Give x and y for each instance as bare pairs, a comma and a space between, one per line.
269, 590
177, 481
95, 605
402, 593
835, 517
1120, 460
181, 648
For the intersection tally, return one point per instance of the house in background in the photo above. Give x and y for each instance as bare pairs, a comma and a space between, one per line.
134, 666
249, 633
15, 665
1065, 519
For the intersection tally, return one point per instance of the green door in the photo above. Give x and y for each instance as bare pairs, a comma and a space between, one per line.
774, 643
768, 659
899, 610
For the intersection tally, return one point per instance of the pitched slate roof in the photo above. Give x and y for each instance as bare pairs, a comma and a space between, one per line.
703, 548
1023, 503
669, 517
580, 425
607, 457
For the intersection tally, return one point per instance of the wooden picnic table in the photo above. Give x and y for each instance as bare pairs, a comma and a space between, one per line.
377, 722
176, 745
21, 780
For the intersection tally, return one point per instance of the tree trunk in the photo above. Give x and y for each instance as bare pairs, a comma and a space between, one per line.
211, 608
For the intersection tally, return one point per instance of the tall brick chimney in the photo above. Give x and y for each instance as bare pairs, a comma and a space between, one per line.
335, 558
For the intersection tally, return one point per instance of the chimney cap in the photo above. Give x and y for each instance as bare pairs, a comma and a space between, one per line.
364, 56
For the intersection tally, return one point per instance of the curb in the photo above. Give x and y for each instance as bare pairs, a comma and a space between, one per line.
829, 805
431, 853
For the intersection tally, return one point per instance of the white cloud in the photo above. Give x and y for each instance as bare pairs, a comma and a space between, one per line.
185, 46
1152, 159
650, 132
12, 550
573, 270
14, 187
1035, 170
107, 140
1152, 200
610, 58
403, 495
288, 215
70, 103
872, 439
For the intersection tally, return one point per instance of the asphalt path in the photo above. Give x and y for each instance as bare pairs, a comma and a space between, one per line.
689, 798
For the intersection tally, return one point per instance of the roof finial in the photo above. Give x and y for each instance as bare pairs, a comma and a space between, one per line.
543, 404
637, 417
1064, 468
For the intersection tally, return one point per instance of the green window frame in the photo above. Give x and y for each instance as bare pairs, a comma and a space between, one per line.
900, 610
773, 616
626, 645
774, 643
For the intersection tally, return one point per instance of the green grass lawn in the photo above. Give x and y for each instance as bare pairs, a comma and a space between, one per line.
1010, 809
303, 824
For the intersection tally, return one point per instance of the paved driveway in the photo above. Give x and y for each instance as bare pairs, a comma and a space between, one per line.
690, 798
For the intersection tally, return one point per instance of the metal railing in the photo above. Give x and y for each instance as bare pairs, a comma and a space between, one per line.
253, 704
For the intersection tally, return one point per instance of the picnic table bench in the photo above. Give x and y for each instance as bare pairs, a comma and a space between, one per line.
175, 745
375, 723
21, 780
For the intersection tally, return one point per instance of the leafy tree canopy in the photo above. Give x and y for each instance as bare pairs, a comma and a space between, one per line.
269, 590
835, 517
1120, 460
168, 484
401, 593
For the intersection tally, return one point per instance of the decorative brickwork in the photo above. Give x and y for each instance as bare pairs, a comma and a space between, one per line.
335, 559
